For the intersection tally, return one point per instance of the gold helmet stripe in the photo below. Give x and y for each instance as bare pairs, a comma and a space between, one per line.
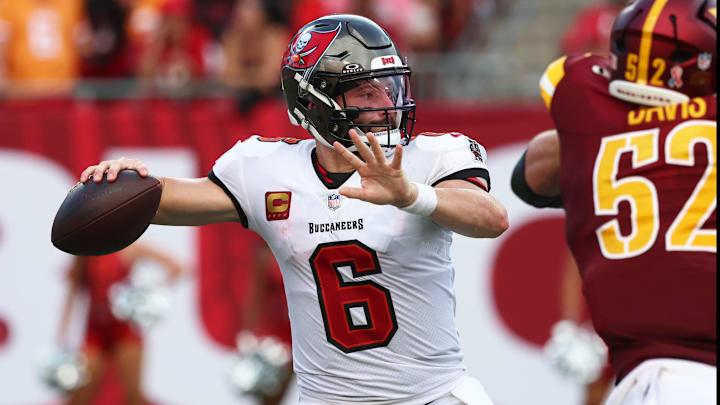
646, 40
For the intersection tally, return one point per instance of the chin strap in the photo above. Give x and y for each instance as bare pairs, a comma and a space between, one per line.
645, 94
387, 140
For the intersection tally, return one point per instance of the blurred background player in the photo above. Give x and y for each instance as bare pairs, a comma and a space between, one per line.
633, 163
265, 313
109, 340
598, 375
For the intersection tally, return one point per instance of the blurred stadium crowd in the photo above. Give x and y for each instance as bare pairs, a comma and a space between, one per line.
182, 48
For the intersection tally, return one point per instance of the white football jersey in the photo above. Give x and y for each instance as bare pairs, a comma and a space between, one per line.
369, 287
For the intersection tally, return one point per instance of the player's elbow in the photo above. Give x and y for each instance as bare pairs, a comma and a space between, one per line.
499, 222
490, 222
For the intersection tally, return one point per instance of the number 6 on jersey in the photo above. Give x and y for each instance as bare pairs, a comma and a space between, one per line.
343, 303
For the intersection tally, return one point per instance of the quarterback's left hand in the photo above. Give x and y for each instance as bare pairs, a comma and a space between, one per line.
382, 182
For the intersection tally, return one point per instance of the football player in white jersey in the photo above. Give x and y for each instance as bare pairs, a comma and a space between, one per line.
360, 220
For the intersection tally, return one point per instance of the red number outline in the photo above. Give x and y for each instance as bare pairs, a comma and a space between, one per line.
336, 296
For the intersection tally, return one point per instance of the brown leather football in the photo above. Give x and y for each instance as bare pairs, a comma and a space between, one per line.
101, 218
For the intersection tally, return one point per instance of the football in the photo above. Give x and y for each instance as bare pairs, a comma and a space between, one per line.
101, 218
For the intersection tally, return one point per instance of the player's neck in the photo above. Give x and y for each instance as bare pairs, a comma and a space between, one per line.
331, 160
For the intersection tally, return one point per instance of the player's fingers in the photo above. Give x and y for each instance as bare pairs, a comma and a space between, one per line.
124, 163
120, 164
364, 151
376, 149
354, 161
85, 175
113, 170
397, 159
100, 170
352, 192
141, 168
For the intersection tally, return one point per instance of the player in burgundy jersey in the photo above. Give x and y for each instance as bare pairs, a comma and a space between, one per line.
106, 337
633, 163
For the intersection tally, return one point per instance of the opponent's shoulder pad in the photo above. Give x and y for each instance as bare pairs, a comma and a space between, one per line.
439, 141
573, 68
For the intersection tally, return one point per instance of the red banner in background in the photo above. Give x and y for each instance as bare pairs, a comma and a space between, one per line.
76, 133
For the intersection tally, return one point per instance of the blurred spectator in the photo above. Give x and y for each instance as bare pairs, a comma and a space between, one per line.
108, 339
143, 20
466, 24
304, 11
109, 53
214, 15
590, 30
256, 35
175, 54
421, 25
40, 44
455, 16
413, 24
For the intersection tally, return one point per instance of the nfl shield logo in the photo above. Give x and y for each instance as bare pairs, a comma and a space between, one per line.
704, 61
334, 201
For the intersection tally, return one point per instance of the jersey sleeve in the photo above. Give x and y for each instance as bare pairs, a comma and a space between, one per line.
458, 158
227, 173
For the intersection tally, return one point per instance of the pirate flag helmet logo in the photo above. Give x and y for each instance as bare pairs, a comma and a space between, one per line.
308, 46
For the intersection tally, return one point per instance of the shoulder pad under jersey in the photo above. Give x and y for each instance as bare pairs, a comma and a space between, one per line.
581, 70
259, 146
439, 141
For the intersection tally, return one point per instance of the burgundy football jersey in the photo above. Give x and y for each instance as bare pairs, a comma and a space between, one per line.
639, 191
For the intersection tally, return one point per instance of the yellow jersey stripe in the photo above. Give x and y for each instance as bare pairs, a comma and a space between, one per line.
646, 40
713, 11
550, 79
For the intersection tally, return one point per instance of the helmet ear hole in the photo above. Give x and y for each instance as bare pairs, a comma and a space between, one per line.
619, 44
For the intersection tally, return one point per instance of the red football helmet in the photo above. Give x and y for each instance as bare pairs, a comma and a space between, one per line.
663, 51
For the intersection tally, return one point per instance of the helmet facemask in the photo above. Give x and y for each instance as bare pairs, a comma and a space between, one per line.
379, 102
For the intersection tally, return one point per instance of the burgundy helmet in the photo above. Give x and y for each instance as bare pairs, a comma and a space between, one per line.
663, 51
